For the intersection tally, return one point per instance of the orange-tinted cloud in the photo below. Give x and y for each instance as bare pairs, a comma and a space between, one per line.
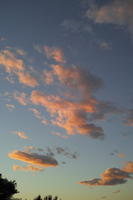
128, 167
10, 62
27, 168
121, 155
111, 176
33, 158
21, 135
73, 119
14, 65
54, 53
27, 79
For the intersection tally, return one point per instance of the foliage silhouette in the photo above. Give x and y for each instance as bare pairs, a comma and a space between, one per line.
7, 189
49, 197
38, 198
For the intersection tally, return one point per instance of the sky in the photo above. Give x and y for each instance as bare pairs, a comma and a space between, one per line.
66, 98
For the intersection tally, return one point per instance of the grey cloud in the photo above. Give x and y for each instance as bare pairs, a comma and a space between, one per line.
117, 12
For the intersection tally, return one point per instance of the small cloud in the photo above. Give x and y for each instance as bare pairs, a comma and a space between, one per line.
27, 79
54, 53
27, 168
10, 62
20, 52
121, 155
60, 135
10, 106
65, 152
22, 98
10, 79
105, 45
21, 135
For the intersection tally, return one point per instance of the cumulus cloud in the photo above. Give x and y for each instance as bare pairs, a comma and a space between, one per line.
21, 134
118, 12
73, 119
54, 53
33, 158
111, 176
27, 168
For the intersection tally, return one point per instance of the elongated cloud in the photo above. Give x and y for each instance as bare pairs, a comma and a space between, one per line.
73, 119
33, 158
118, 12
111, 176
54, 53
27, 168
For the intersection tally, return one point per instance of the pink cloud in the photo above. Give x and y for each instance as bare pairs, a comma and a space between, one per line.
54, 53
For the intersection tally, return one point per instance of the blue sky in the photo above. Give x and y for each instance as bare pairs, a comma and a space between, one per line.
66, 97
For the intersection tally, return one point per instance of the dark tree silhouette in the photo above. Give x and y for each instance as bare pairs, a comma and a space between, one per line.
7, 188
38, 198
49, 197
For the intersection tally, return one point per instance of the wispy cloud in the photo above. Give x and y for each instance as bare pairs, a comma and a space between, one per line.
118, 12
27, 168
22, 98
10, 106
14, 65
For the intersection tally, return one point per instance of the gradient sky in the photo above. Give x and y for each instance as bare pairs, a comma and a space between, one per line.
66, 98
